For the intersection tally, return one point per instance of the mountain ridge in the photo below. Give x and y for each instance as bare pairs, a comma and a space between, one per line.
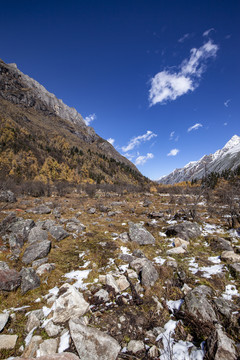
223, 159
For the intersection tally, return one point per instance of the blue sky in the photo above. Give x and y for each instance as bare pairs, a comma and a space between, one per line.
159, 78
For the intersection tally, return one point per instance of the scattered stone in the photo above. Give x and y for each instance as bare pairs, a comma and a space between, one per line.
31, 349
36, 251
176, 251
219, 346
136, 345
102, 295
21, 229
7, 196
47, 347
153, 352
9, 280
47, 224
61, 356
91, 210
33, 321
58, 233
124, 237
126, 258
112, 282
69, 304
30, 280
186, 230
180, 242
52, 329
140, 235
92, 343
155, 215
3, 265
235, 269
7, 222
122, 283
3, 320
8, 341
39, 262
37, 234
41, 209
149, 275
230, 256
218, 243
45, 268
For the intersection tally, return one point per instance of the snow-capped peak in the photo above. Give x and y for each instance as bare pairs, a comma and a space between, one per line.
234, 141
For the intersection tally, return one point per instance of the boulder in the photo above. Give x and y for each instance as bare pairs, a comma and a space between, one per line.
45, 268
197, 304
7, 196
122, 283
176, 251
41, 209
7, 222
9, 280
112, 282
102, 295
186, 230
3, 320
47, 347
30, 280
37, 234
218, 243
149, 275
135, 345
140, 235
32, 322
8, 341
92, 343
36, 250
69, 304
21, 229
58, 232
219, 346
52, 329
230, 256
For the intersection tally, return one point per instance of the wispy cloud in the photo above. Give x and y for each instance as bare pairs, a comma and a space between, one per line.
207, 32
225, 124
111, 141
135, 141
171, 135
226, 103
140, 160
194, 127
185, 37
88, 119
173, 152
168, 85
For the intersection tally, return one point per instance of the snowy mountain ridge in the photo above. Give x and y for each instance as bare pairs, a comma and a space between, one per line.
226, 158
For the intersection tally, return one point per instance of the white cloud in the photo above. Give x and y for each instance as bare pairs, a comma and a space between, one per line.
225, 124
137, 140
88, 119
140, 160
226, 103
171, 135
111, 141
168, 85
207, 32
173, 152
194, 127
184, 37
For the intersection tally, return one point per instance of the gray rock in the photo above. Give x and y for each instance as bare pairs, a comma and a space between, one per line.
41, 209
155, 215
69, 304
32, 322
48, 347
197, 303
47, 224
45, 268
235, 269
219, 346
36, 251
58, 232
91, 210
39, 262
61, 356
122, 283
138, 263
21, 229
3, 320
52, 329
126, 258
7, 222
102, 295
140, 235
225, 307
176, 251
136, 345
186, 230
219, 243
30, 280
7, 196
3, 265
149, 275
112, 282
72, 226
9, 280
37, 234
124, 237
92, 343
8, 341
230, 256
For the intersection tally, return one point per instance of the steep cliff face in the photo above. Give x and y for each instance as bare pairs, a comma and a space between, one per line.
28, 105
223, 159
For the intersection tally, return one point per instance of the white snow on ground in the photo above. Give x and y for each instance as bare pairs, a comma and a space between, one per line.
46, 311
78, 275
162, 234
123, 267
171, 222
207, 271
174, 305
29, 336
230, 291
54, 291
86, 264
64, 342
177, 350
215, 259
159, 260
125, 250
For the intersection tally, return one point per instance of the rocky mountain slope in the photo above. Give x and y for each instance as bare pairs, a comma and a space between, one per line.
35, 125
226, 158
111, 278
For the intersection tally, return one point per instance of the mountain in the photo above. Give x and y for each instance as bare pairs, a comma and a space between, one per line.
226, 158
42, 138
